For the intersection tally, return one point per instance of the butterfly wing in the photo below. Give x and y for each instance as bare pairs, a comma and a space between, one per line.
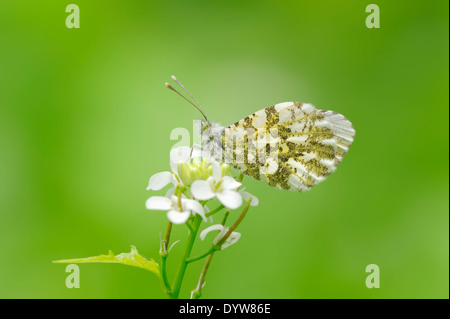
289, 145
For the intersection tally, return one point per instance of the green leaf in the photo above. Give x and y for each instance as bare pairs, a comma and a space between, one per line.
133, 258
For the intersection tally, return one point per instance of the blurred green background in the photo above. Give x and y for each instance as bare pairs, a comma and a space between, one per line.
85, 121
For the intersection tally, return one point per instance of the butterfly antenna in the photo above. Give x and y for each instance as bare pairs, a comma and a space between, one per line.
180, 84
199, 109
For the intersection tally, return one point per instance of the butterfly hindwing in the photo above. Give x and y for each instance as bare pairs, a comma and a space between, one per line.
289, 145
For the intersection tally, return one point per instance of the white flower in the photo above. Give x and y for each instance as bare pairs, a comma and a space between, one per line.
224, 188
160, 180
175, 214
183, 154
233, 238
246, 196
177, 155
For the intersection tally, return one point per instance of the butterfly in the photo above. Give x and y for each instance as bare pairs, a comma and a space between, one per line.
290, 145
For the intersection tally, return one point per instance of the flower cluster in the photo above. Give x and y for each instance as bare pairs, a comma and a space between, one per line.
196, 181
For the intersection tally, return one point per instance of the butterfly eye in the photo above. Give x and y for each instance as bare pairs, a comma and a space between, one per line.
205, 126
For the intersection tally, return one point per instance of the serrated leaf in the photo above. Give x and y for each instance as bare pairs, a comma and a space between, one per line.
133, 258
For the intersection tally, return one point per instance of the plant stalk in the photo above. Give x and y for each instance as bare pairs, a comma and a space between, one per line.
184, 262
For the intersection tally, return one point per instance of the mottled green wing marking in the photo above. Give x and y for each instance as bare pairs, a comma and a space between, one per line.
309, 144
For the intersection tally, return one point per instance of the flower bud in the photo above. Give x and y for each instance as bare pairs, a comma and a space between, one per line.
208, 172
196, 173
225, 169
184, 172
197, 161
203, 165
188, 173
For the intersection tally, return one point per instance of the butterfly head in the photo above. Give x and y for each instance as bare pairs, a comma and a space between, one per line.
210, 130
204, 126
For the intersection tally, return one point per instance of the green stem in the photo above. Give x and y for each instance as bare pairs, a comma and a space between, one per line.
214, 211
164, 253
184, 262
197, 292
165, 281
213, 248
236, 223
225, 217
210, 251
167, 236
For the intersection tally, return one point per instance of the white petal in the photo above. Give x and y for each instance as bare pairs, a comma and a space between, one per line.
178, 154
175, 198
230, 199
209, 229
220, 235
174, 168
175, 203
177, 217
181, 153
170, 192
216, 171
234, 237
195, 206
158, 203
207, 210
196, 151
159, 180
246, 196
230, 183
202, 190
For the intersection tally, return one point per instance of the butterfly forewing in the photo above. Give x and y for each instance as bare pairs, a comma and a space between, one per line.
289, 145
